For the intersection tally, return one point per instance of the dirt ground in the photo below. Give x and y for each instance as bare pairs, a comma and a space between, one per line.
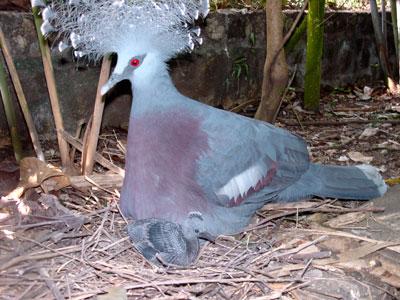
72, 244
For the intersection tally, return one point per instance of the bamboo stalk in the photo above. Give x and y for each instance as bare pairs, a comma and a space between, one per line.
393, 12
315, 45
51, 86
297, 35
21, 96
384, 21
379, 37
382, 48
88, 161
10, 113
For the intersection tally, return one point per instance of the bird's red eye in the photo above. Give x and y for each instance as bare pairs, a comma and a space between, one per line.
134, 62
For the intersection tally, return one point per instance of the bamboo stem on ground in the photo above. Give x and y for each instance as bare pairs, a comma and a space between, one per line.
21, 96
93, 138
10, 113
98, 157
102, 180
51, 86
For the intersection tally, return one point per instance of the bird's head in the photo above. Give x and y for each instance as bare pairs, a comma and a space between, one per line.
125, 69
133, 29
195, 227
137, 61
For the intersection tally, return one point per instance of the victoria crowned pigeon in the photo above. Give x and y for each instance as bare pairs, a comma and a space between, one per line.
185, 156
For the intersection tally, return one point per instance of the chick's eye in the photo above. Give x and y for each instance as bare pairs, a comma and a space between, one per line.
196, 230
134, 62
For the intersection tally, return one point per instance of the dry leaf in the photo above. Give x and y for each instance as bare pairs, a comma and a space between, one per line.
393, 181
345, 139
368, 132
395, 108
390, 145
331, 152
362, 251
382, 168
395, 249
344, 114
359, 157
346, 219
343, 158
34, 208
53, 207
274, 294
386, 276
365, 94
115, 293
34, 172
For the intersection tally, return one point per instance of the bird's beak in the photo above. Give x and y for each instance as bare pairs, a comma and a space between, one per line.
207, 236
113, 80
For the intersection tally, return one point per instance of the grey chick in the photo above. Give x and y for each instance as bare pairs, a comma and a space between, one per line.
168, 243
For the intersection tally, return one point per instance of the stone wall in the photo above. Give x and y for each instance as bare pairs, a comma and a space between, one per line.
226, 69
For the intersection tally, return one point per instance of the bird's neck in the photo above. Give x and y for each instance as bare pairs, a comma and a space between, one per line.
152, 87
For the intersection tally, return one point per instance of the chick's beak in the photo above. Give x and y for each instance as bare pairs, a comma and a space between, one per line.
207, 236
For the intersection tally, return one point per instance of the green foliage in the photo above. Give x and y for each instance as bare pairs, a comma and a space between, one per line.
240, 68
341, 90
296, 36
253, 4
252, 39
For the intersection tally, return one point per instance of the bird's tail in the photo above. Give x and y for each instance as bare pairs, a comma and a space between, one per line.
362, 182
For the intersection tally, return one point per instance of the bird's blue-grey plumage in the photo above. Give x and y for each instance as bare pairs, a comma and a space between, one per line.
167, 243
184, 156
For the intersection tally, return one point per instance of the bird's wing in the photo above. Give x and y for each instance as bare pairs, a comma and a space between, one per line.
167, 237
245, 156
158, 239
